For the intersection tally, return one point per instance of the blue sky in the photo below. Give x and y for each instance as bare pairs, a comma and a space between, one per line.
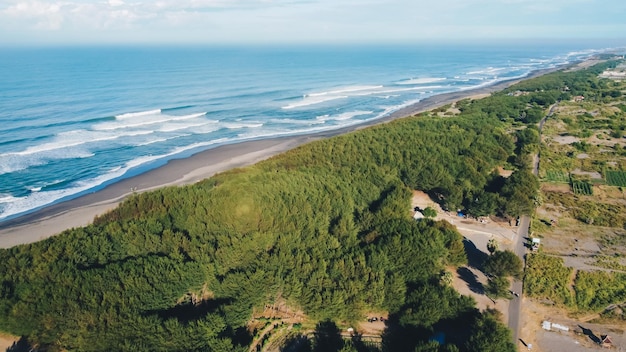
304, 21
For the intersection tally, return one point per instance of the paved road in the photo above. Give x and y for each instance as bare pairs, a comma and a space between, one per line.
515, 306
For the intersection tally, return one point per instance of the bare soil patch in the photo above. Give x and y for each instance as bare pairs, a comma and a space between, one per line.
504, 173
591, 174
579, 338
7, 341
422, 201
565, 139
470, 281
607, 141
610, 194
556, 187
280, 310
371, 327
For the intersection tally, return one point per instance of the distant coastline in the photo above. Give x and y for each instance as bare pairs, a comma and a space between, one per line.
56, 218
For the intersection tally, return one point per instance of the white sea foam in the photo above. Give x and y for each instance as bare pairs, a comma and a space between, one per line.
340, 121
144, 121
7, 198
65, 145
319, 98
341, 91
424, 80
284, 132
312, 100
296, 122
14, 162
487, 71
205, 129
14, 205
326, 96
397, 90
110, 126
160, 140
488, 81
75, 138
198, 145
38, 199
584, 52
137, 114
343, 116
64, 141
234, 126
11, 163
171, 127
351, 114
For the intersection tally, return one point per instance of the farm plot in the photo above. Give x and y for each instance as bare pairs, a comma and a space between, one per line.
616, 178
557, 176
582, 187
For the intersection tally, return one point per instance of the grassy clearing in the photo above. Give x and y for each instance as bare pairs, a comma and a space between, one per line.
609, 263
547, 278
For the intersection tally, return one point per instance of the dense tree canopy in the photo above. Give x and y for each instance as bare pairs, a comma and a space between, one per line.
337, 238
504, 263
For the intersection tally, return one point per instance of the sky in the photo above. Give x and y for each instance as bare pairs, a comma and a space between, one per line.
51, 22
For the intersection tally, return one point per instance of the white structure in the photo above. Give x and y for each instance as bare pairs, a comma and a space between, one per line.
535, 242
546, 325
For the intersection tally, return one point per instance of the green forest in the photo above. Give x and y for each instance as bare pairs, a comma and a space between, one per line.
326, 227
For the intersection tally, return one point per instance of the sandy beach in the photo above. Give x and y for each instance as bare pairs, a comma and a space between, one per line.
56, 218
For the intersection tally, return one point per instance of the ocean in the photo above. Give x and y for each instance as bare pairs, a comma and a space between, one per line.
73, 120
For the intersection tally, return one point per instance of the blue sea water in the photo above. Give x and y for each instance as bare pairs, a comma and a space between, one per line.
75, 119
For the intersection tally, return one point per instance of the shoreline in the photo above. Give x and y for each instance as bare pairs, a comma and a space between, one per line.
81, 211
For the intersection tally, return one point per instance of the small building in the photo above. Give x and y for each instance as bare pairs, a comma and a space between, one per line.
418, 215
606, 341
579, 98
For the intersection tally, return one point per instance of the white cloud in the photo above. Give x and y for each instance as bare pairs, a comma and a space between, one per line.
45, 15
58, 15
55, 14
306, 20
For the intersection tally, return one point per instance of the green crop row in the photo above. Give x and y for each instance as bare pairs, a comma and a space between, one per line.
582, 187
557, 176
616, 178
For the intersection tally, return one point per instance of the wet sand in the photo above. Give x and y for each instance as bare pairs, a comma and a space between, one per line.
81, 211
